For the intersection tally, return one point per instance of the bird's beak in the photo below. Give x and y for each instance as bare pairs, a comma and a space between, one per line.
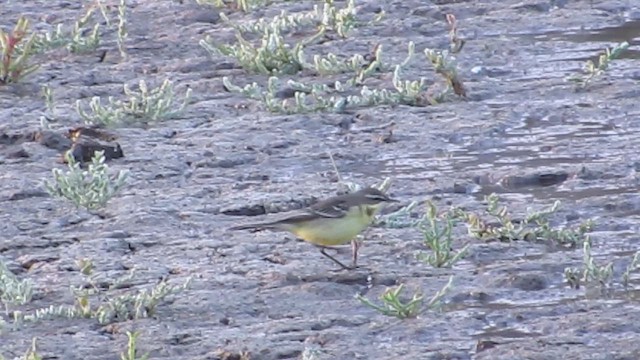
392, 200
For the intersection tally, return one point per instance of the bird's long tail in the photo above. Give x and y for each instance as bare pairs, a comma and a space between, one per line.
257, 226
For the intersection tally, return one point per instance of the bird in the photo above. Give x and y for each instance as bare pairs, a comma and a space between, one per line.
331, 222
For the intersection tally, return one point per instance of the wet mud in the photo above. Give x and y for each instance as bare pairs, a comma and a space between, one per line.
523, 132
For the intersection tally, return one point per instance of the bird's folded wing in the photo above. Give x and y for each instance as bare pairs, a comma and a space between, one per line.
329, 209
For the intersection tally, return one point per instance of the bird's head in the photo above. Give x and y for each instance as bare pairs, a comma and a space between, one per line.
374, 199
374, 196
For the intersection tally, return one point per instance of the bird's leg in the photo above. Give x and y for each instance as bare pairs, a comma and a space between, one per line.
355, 245
343, 266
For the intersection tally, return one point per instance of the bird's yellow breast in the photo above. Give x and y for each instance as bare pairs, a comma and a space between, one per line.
335, 231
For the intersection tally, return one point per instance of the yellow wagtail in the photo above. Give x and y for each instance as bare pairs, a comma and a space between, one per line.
334, 221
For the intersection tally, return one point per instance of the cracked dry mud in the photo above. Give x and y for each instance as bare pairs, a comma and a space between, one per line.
225, 158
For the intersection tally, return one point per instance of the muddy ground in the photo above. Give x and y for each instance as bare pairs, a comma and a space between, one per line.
274, 297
